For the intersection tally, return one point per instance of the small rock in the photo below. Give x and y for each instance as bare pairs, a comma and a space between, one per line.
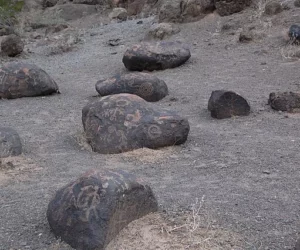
297, 246
12, 45
23, 79
225, 104
162, 31
246, 36
49, 3
297, 4
124, 122
228, 7
140, 22
273, 8
266, 172
147, 86
89, 2
119, 13
294, 33
285, 101
10, 142
90, 211
56, 28
156, 56
114, 42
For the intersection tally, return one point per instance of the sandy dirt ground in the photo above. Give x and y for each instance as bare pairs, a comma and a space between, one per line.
242, 173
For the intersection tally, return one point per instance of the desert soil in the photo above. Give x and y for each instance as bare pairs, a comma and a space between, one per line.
244, 172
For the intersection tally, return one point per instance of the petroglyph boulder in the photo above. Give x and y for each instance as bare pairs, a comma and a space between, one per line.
156, 55
147, 86
10, 143
89, 212
124, 122
18, 79
225, 104
285, 101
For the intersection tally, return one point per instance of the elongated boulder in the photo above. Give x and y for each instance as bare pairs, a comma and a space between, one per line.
19, 79
147, 86
124, 122
10, 142
156, 55
225, 104
285, 101
89, 212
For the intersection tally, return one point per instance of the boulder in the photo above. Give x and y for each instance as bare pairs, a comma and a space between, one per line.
156, 55
147, 86
10, 143
90, 211
49, 3
285, 101
273, 8
20, 79
69, 11
228, 7
161, 31
185, 10
124, 122
118, 13
12, 45
294, 33
225, 104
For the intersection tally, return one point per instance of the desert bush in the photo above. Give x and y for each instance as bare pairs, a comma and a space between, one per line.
9, 10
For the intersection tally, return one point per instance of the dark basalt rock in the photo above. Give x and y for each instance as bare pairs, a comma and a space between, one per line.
20, 79
285, 101
89, 212
156, 56
124, 122
147, 86
225, 104
12, 45
10, 143
294, 33
228, 7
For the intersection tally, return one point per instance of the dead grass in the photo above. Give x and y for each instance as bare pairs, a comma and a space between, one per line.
17, 168
194, 230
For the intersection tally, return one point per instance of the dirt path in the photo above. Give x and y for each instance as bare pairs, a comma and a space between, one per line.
247, 168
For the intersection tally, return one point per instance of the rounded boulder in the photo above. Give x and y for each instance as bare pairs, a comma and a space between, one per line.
18, 79
90, 211
124, 122
147, 86
10, 142
156, 55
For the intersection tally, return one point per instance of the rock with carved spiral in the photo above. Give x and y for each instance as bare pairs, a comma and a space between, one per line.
90, 211
20, 79
124, 122
145, 85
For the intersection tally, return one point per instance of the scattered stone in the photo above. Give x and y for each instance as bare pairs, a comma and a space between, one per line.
49, 3
285, 101
12, 45
119, 13
124, 122
114, 42
185, 10
273, 8
147, 86
89, 212
225, 104
294, 33
20, 79
10, 143
228, 7
297, 4
156, 56
162, 31
90, 2
55, 28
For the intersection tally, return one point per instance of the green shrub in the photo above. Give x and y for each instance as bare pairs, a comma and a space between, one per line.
9, 10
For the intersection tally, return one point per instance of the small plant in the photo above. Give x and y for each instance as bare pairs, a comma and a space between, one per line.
9, 10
